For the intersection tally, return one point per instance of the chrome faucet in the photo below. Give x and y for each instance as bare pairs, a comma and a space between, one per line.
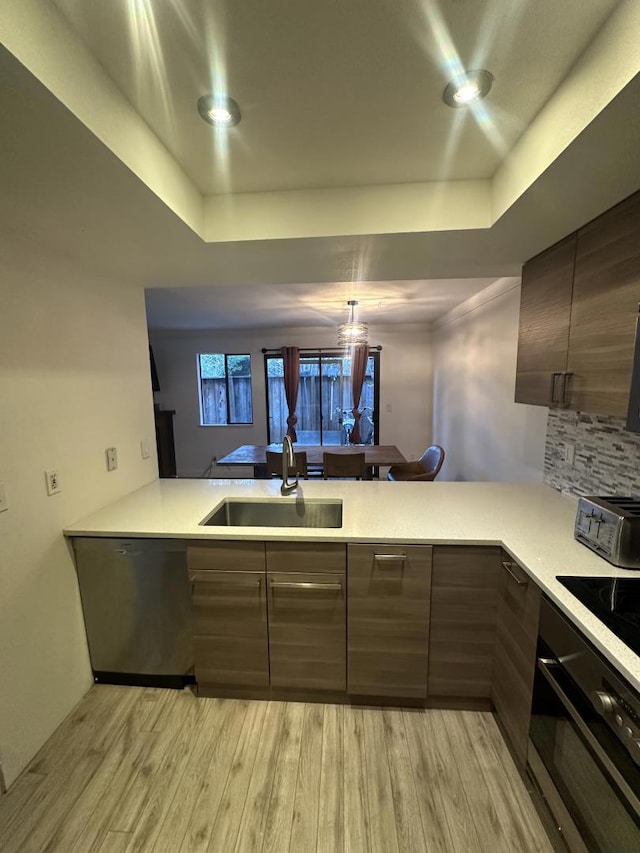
288, 461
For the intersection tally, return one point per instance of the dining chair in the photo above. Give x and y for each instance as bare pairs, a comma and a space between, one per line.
424, 469
274, 464
343, 465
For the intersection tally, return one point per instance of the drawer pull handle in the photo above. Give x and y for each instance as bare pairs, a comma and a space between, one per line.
204, 577
389, 558
508, 567
304, 585
566, 389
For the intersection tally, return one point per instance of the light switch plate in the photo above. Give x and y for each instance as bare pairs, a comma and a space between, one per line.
112, 458
4, 501
144, 449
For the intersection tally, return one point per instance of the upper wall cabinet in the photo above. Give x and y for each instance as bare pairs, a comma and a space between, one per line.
606, 290
545, 315
577, 316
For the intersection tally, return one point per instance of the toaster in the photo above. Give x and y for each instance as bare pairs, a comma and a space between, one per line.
610, 526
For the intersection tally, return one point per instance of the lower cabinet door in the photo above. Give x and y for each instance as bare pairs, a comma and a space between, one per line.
389, 604
307, 630
464, 605
514, 667
229, 616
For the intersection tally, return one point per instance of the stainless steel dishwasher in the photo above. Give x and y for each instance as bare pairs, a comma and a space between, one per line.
137, 610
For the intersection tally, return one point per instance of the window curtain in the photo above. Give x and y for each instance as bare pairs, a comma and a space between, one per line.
359, 360
291, 361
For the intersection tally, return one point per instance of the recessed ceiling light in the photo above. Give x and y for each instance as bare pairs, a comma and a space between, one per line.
468, 88
219, 111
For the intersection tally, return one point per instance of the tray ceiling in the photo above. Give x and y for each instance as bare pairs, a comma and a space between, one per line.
334, 93
347, 168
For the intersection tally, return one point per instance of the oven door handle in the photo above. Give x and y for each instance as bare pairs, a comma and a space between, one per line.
545, 665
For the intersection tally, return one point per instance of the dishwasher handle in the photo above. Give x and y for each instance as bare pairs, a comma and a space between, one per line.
125, 552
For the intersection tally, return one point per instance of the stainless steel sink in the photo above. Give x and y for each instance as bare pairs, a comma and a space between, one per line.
276, 513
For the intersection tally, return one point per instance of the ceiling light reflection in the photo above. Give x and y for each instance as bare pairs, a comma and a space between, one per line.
149, 66
441, 47
214, 37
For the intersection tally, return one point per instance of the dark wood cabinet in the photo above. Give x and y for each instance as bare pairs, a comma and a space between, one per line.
268, 615
545, 315
462, 639
388, 620
606, 290
579, 304
454, 626
165, 444
515, 655
229, 614
307, 615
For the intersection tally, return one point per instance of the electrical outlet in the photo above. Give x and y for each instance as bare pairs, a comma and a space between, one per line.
569, 453
112, 458
4, 500
52, 480
144, 449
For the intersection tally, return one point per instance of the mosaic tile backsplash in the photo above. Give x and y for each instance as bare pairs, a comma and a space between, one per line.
606, 458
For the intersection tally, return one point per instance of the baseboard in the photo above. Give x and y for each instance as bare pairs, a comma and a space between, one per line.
277, 694
460, 703
138, 679
233, 691
387, 702
281, 694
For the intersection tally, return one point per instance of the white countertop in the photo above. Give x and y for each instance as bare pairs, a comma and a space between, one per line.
534, 523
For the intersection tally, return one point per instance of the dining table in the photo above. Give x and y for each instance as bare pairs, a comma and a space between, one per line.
255, 455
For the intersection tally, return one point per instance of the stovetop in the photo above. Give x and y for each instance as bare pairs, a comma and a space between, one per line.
615, 601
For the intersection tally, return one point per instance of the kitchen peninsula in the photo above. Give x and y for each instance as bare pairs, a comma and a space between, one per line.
533, 523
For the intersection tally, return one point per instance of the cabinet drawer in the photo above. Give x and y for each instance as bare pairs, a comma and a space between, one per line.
389, 601
307, 630
226, 556
229, 617
306, 557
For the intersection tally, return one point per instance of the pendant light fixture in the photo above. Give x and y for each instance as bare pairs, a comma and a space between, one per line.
353, 332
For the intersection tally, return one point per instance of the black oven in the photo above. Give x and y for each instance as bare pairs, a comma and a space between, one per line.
584, 748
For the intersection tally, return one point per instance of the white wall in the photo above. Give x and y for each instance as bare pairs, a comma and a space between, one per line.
405, 387
485, 434
74, 379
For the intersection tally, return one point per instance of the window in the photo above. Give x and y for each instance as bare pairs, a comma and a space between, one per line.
324, 399
224, 383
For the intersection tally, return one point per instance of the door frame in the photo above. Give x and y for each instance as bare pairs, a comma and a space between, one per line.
374, 352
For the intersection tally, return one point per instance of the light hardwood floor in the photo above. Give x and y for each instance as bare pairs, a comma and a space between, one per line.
136, 769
